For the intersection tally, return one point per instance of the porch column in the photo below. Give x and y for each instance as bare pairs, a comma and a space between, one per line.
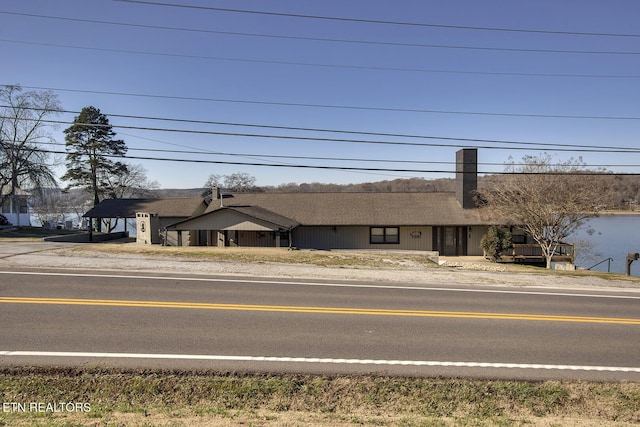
277, 239
179, 237
14, 209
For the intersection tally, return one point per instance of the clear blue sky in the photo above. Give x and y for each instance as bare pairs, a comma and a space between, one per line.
206, 75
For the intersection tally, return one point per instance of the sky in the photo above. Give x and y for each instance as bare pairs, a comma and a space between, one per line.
406, 83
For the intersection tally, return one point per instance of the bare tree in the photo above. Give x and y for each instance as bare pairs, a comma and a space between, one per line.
24, 127
550, 201
239, 182
133, 183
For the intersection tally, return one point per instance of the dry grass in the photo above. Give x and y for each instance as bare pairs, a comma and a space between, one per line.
144, 398
337, 258
267, 255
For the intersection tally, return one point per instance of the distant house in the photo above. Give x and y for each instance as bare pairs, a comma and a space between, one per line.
16, 207
445, 222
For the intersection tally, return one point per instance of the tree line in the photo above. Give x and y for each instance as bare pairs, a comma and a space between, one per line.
622, 192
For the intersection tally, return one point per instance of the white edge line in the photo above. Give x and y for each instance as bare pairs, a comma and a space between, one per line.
334, 285
320, 360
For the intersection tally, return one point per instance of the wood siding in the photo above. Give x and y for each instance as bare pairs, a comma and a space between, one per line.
258, 239
229, 221
411, 238
475, 235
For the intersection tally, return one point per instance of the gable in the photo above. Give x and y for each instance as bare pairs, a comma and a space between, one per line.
235, 219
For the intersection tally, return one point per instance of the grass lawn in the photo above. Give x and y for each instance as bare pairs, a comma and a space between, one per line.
175, 398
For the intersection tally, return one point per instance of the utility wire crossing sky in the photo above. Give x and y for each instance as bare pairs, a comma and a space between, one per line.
326, 92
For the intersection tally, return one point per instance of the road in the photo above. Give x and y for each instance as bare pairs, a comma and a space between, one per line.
78, 318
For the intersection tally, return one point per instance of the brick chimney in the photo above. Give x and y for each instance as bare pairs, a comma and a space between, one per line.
466, 177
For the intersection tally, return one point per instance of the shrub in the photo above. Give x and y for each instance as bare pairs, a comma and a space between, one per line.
495, 242
4, 220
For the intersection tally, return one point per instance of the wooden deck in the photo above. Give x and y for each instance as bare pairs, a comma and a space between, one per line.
532, 254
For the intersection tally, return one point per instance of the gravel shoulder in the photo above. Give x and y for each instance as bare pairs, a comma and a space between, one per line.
392, 267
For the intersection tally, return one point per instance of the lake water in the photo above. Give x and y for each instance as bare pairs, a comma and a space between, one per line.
611, 236
75, 223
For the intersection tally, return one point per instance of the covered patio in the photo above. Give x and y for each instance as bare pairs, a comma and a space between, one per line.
235, 226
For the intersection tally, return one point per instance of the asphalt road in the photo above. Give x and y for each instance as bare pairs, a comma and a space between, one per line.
78, 318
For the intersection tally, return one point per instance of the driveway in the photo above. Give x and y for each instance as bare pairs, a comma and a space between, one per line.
11, 248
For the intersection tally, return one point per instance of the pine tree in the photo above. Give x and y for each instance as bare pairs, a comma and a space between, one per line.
91, 146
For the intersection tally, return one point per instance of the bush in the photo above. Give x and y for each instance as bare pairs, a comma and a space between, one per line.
4, 220
495, 242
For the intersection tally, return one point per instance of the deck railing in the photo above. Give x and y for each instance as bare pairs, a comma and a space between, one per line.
564, 251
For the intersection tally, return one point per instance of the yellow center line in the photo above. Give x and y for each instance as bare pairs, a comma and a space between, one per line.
318, 310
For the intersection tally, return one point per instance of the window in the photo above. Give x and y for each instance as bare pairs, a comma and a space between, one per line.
384, 235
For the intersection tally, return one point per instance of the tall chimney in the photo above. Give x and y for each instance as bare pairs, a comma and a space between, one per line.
215, 192
466, 177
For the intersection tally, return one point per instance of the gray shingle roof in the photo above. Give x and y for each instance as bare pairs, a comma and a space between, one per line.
362, 208
127, 208
265, 215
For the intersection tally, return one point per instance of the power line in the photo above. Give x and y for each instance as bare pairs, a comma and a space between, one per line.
324, 65
325, 39
343, 107
384, 22
342, 140
341, 168
333, 159
349, 132
535, 145
321, 65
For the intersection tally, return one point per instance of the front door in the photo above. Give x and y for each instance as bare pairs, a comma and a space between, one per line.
449, 241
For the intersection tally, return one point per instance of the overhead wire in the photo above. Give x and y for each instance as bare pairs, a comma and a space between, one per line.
551, 147
597, 149
323, 65
343, 168
351, 132
336, 159
380, 21
333, 106
325, 39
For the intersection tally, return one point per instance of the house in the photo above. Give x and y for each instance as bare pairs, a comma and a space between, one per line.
445, 222
152, 215
15, 207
